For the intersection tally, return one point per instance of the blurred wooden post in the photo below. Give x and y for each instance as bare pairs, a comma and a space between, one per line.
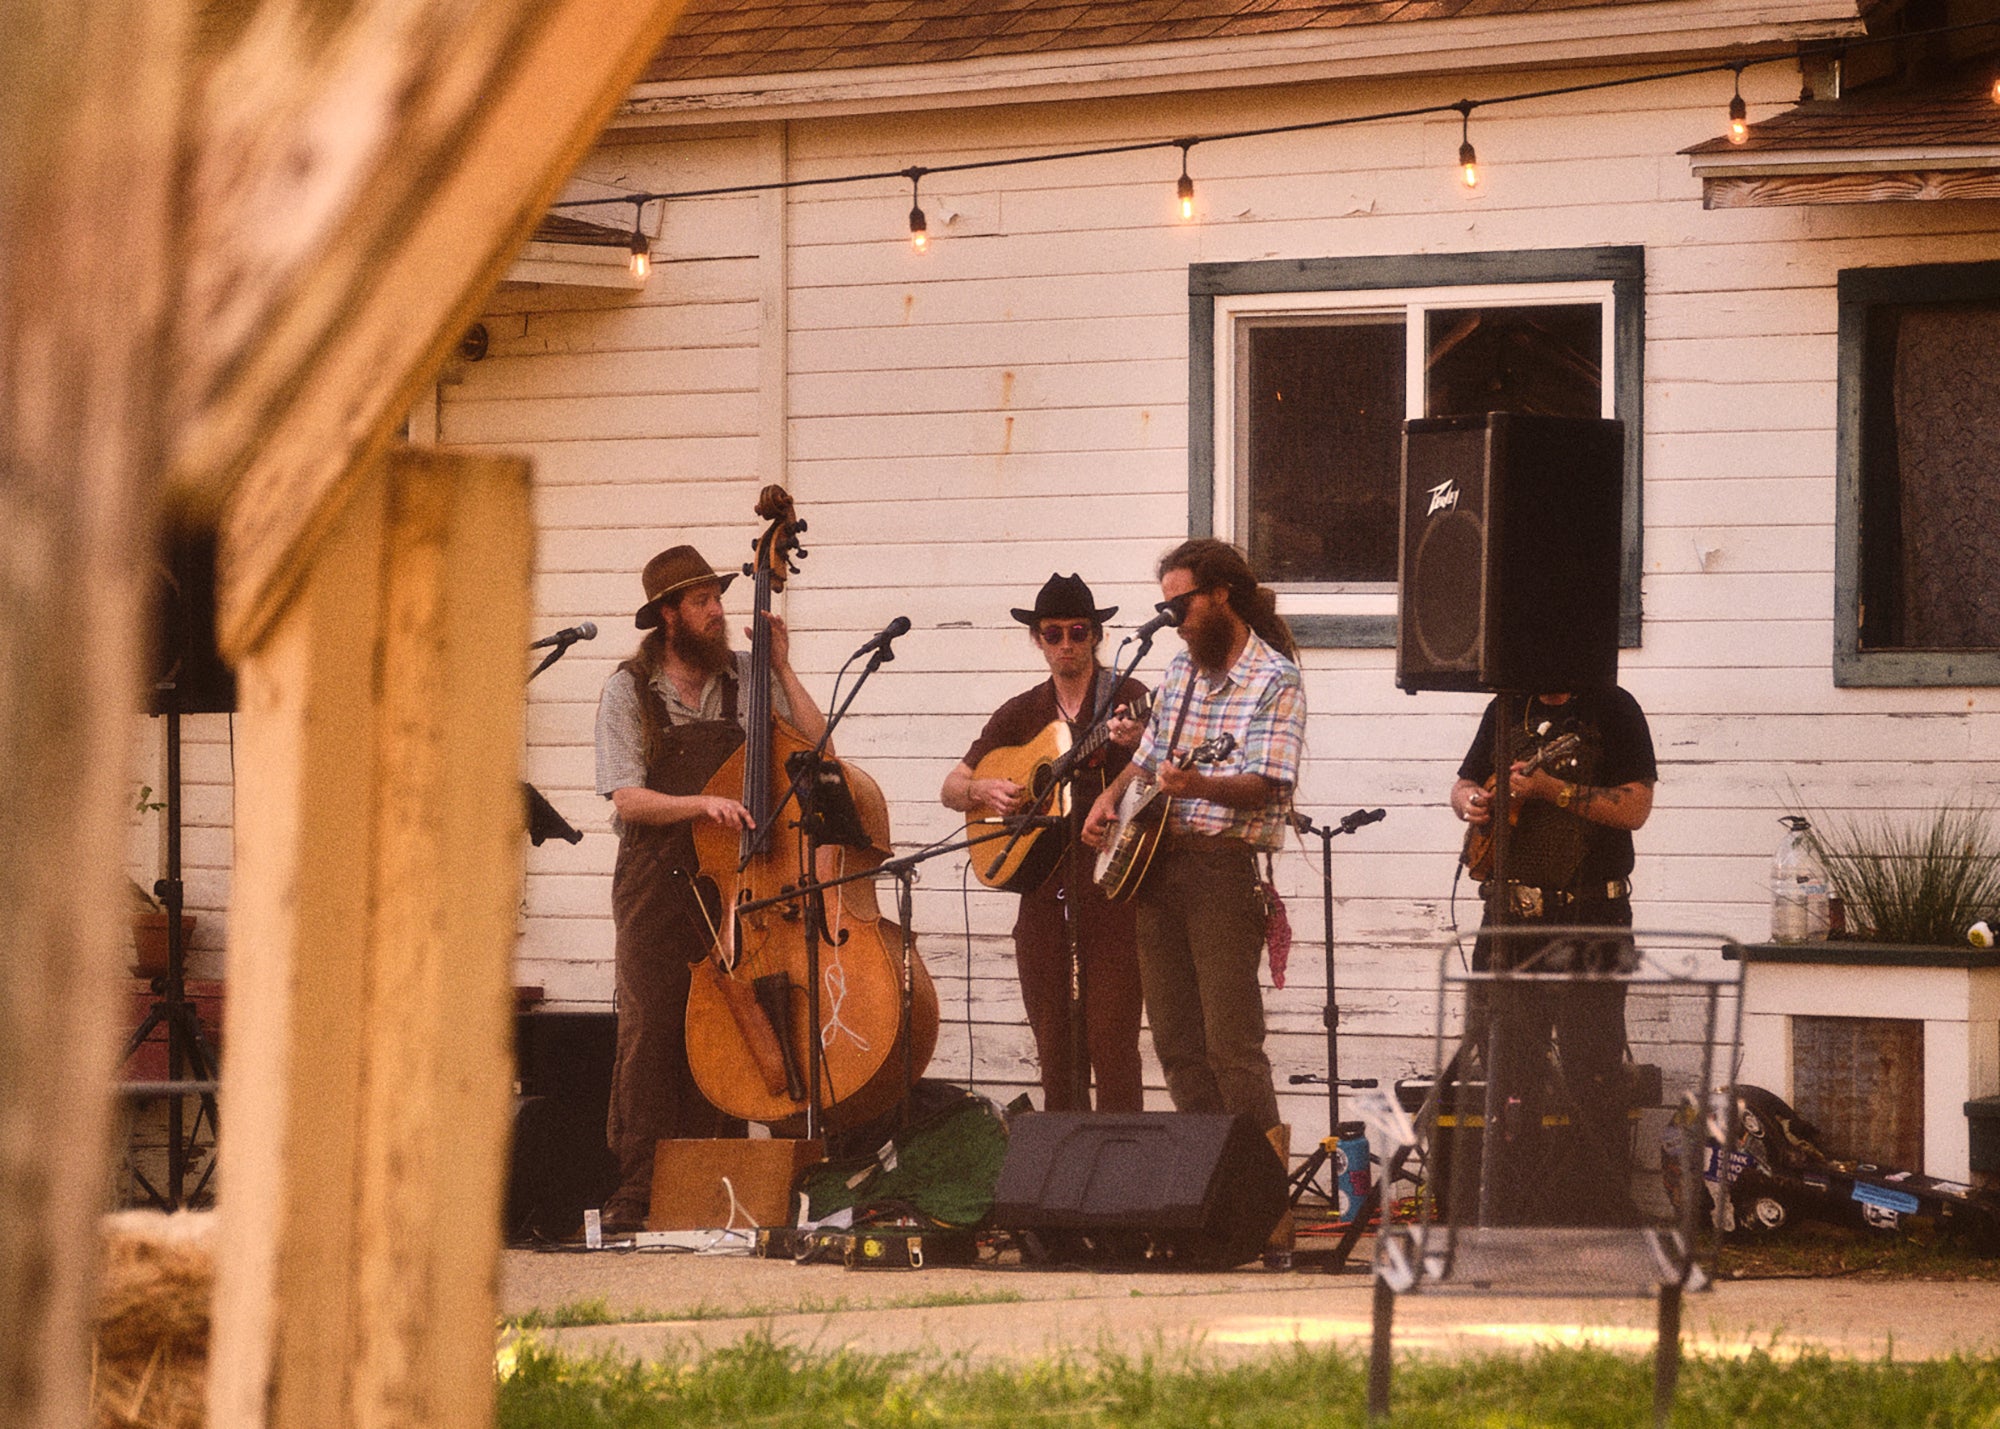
238, 241
88, 127
379, 831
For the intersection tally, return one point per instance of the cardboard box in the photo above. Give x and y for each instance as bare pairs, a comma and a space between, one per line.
689, 1190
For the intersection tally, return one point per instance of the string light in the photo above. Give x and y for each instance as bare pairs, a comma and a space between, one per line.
1739, 115
642, 250
920, 235
1468, 158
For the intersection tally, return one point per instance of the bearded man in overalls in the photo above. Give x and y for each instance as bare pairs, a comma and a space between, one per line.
667, 720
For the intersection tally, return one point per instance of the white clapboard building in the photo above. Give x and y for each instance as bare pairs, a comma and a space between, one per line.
1073, 377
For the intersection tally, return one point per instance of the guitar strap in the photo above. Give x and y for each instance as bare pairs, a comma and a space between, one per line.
1187, 698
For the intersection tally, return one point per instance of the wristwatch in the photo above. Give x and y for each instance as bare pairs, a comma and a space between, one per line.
1564, 795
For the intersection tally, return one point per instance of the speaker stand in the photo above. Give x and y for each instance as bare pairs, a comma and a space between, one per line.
191, 1064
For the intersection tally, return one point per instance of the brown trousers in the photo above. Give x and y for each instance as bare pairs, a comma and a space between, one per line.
1111, 1000
1201, 934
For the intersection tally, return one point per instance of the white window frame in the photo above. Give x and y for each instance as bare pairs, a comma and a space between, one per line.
1235, 313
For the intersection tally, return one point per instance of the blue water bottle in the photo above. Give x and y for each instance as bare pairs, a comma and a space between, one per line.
1351, 1174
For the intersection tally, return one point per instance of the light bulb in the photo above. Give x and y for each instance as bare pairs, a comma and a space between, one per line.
1468, 165
1996, 89
1187, 197
1739, 121
642, 251
920, 238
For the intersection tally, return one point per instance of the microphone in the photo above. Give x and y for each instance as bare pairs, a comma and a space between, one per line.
881, 639
1172, 612
1361, 818
585, 631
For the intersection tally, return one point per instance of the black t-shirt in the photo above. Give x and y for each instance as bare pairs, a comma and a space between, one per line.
1551, 847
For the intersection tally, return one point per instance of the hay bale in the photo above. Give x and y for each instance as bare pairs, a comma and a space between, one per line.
149, 1354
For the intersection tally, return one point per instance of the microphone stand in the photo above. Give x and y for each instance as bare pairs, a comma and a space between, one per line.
544, 821
811, 892
1075, 879
1302, 1179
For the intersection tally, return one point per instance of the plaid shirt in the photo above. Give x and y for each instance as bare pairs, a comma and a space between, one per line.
1262, 703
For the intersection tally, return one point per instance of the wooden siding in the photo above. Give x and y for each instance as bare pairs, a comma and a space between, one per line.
957, 425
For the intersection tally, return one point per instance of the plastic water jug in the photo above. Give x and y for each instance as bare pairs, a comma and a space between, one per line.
1799, 908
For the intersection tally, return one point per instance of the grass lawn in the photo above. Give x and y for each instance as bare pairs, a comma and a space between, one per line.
760, 1382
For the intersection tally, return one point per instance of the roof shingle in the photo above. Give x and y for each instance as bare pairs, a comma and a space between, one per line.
724, 38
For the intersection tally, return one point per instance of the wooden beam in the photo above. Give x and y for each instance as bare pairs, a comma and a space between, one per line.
379, 853
90, 99
354, 195
1910, 186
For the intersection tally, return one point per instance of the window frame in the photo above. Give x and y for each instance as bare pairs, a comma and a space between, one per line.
1219, 294
1859, 290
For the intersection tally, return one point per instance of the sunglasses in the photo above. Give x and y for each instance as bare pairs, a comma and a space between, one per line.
1079, 633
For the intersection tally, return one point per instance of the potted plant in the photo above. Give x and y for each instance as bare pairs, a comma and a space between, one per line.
149, 918
1921, 880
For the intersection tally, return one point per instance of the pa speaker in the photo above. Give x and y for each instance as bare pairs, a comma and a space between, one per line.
1510, 559
1201, 1188
189, 676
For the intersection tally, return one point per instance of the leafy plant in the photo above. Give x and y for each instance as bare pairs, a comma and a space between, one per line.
1913, 878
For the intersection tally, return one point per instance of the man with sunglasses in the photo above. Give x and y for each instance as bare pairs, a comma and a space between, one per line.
1067, 627
1202, 909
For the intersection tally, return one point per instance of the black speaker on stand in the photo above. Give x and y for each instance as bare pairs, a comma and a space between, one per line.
1199, 1189
189, 677
1509, 571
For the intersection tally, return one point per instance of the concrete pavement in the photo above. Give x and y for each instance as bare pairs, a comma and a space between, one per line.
690, 1303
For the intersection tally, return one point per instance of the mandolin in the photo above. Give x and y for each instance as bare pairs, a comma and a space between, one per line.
1042, 766
1477, 855
1142, 818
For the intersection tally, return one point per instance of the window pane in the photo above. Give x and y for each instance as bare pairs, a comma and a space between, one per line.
1546, 360
1321, 445
1930, 477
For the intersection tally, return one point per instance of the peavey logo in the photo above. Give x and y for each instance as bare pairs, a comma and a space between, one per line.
1444, 497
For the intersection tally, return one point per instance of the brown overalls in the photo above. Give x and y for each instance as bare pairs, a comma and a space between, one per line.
661, 933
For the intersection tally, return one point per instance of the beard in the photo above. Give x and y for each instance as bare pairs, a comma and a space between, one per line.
1209, 642
709, 654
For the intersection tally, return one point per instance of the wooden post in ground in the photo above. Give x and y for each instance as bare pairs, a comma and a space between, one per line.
238, 239
379, 832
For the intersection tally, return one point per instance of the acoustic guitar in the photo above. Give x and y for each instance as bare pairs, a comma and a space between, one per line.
1042, 766
1477, 856
1142, 818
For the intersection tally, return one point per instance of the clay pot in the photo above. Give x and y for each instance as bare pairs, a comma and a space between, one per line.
149, 942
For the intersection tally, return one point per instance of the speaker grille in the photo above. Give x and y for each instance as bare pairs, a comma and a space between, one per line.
1447, 622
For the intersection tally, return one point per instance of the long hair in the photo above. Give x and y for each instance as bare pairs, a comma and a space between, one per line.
643, 664
1213, 563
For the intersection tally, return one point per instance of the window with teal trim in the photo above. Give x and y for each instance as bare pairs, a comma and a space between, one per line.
1919, 479
1303, 373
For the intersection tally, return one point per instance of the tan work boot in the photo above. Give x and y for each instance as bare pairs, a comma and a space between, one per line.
1278, 1249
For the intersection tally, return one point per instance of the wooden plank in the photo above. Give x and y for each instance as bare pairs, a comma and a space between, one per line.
331, 268
1789, 190
370, 1066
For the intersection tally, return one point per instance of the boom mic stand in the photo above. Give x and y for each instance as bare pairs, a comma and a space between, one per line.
1076, 877
811, 771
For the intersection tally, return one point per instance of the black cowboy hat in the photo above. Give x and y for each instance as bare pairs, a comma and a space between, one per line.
674, 569
1064, 598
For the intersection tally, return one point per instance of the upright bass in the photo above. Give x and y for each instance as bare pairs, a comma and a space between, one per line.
748, 1028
